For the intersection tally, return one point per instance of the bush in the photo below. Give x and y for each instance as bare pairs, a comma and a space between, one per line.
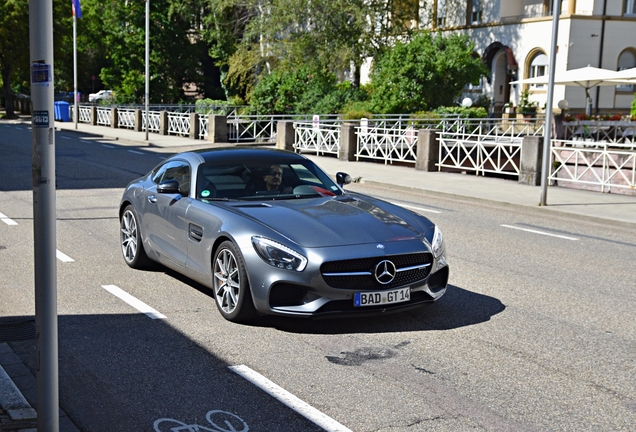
470, 112
302, 91
207, 106
356, 114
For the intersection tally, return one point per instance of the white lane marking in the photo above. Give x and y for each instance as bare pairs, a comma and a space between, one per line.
416, 208
65, 137
301, 407
108, 146
6, 220
63, 257
540, 232
134, 302
86, 142
135, 152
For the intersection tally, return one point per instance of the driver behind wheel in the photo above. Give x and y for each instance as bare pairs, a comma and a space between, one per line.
274, 180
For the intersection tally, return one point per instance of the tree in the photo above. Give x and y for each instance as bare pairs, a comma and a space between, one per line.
14, 46
223, 27
333, 35
115, 41
428, 72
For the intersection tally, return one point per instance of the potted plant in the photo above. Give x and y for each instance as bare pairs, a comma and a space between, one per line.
526, 107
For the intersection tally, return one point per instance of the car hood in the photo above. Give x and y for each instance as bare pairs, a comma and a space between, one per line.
323, 222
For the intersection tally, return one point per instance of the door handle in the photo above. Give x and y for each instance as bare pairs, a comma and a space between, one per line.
152, 199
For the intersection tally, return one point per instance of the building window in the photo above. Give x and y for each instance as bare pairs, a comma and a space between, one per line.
538, 67
404, 13
441, 13
627, 60
630, 7
476, 12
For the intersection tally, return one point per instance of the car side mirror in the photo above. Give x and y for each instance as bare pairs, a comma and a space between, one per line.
168, 187
343, 179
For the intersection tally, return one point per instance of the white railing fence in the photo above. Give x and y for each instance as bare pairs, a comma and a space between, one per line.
619, 132
321, 138
600, 155
126, 118
103, 116
387, 144
84, 114
252, 129
481, 155
153, 121
179, 124
485, 145
203, 120
598, 165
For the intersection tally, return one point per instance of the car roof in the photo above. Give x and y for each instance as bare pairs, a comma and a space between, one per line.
248, 153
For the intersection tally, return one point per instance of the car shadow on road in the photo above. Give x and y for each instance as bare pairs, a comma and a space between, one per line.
458, 307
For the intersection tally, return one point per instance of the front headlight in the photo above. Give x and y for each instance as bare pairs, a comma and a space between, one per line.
278, 255
437, 245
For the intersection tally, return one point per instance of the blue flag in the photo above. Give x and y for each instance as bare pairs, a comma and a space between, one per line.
77, 9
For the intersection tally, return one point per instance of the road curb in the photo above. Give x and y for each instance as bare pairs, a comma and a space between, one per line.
11, 399
18, 390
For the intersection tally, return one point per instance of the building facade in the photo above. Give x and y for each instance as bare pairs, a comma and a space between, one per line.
513, 37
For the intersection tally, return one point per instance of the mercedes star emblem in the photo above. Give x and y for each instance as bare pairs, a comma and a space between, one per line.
385, 272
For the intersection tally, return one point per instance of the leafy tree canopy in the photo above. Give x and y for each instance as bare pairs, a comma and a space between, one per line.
15, 49
428, 72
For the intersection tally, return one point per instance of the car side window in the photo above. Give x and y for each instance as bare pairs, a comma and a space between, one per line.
174, 170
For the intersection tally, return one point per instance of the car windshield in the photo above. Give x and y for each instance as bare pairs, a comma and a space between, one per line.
270, 179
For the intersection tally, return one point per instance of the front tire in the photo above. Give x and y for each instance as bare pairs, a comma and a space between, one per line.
132, 246
231, 288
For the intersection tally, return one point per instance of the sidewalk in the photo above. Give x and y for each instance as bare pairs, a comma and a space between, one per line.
601, 207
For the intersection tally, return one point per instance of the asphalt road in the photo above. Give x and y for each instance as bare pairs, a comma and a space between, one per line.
536, 332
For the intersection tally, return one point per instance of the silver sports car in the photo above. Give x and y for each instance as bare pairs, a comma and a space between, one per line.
270, 233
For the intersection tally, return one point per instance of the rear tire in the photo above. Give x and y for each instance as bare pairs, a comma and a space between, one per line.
232, 292
132, 246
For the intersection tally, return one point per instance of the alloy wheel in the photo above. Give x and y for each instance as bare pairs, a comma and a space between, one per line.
129, 236
227, 281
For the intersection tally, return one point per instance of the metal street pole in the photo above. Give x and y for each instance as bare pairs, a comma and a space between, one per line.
547, 132
147, 93
43, 175
75, 70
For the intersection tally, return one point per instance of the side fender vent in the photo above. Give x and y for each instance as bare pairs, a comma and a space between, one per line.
195, 233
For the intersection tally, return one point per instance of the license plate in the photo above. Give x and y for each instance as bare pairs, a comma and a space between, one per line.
375, 298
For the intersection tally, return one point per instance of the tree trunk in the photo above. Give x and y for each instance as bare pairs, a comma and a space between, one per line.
355, 78
8, 96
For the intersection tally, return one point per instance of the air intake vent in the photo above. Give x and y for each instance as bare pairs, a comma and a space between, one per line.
196, 233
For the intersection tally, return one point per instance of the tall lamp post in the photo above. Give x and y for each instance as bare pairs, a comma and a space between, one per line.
547, 132
44, 234
77, 13
147, 92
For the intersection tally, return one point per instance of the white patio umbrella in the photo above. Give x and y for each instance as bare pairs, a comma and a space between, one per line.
627, 76
586, 77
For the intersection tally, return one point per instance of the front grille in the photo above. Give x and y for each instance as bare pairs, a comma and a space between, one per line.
334, 273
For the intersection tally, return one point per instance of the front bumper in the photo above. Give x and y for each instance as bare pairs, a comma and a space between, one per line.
307, 294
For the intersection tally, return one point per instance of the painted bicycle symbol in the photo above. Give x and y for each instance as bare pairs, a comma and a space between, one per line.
230, 423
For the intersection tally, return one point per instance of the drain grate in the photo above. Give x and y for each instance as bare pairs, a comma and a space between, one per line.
11, 331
